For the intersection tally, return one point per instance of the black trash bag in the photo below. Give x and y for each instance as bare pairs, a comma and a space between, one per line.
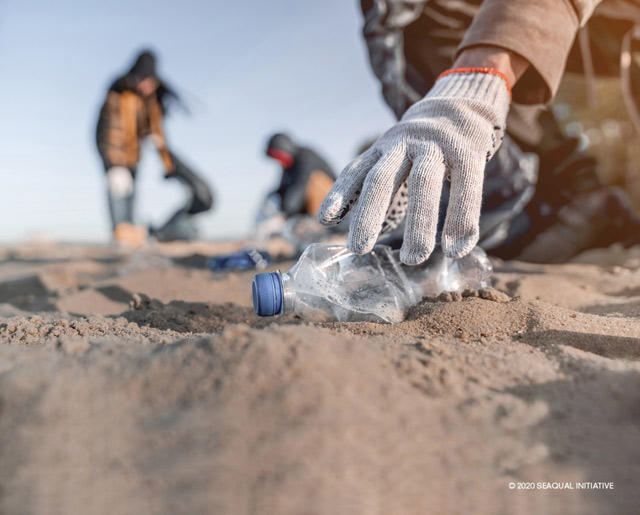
181, 225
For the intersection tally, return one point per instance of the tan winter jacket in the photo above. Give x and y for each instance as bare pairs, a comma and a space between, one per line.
125, 120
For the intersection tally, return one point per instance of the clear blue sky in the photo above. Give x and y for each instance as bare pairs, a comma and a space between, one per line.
247, 68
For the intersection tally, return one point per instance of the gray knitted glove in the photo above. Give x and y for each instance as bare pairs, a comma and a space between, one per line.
452, 132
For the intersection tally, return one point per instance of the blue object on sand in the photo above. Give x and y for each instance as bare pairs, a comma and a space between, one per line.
248, 259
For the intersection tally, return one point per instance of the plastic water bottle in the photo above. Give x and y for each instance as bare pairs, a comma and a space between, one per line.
330, 283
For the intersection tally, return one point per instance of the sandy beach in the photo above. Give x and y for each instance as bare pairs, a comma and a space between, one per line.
141, 382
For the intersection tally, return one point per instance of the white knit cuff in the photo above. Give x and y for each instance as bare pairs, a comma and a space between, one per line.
485, 87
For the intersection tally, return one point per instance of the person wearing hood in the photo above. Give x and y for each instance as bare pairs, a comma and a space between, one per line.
306, 177
134, 109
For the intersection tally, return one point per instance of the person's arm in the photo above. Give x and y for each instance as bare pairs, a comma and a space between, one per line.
157, 135
292, 191
541, 32
455, 130
510, 64
307, 174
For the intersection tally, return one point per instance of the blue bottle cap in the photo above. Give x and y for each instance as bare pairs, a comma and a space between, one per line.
267, 294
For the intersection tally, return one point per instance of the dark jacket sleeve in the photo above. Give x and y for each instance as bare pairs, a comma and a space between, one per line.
293, 187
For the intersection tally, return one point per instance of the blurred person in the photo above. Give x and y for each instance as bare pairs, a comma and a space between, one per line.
134, 108
306, 177
466, 80
288, 214
305, 180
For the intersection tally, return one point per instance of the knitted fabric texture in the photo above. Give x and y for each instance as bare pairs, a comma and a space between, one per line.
451, 133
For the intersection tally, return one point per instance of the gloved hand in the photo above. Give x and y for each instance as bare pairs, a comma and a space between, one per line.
120, 182
452, 132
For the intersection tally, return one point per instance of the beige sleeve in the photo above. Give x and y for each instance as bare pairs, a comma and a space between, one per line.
585, 9
157, 132
541, 31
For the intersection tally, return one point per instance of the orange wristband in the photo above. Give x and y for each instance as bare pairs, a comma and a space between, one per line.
469, 71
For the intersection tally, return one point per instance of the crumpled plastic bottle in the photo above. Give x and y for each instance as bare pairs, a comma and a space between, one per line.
330, 283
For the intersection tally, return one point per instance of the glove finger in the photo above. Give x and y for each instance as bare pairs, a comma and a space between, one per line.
383, 179
462, 224
346, 189
397, 210
425, 190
